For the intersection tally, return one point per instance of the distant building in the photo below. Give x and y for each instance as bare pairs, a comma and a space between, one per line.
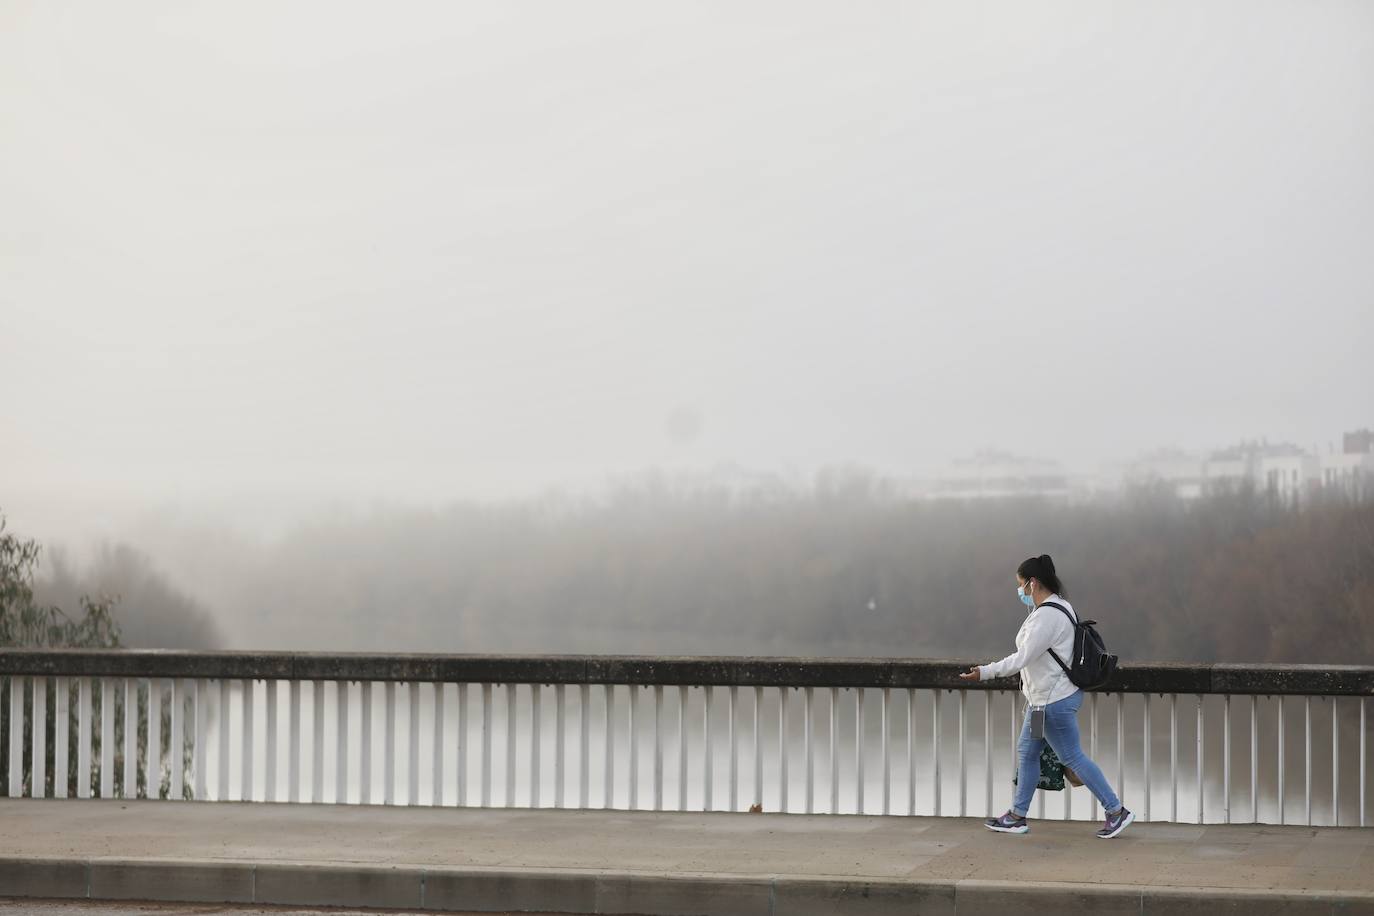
1183, 472
1350, 472
1281, 469
1290, 477
1359, 442
992, 474
1285, 471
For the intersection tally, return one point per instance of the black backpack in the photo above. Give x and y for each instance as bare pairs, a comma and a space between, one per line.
1092, 665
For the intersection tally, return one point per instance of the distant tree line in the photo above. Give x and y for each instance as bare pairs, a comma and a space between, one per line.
153, 614
844, 567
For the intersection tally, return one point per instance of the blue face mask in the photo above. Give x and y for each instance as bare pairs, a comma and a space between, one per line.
1027, 600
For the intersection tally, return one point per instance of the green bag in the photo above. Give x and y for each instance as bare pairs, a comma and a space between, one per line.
1051, 771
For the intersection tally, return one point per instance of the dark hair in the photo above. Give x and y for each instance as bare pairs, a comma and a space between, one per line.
1042, 568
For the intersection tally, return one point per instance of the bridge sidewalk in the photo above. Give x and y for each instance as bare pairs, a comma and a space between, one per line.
667, 864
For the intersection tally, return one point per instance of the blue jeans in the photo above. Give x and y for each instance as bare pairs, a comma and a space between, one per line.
1061, 730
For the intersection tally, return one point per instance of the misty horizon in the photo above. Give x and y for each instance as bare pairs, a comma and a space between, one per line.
476, 252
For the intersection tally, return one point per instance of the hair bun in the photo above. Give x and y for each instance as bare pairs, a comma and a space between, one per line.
1047, 563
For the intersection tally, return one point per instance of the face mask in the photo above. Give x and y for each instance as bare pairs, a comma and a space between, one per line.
1027, 600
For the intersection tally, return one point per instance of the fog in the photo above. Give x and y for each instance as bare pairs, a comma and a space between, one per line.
271, 269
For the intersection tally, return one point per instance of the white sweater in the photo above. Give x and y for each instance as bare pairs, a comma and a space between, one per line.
1042, 680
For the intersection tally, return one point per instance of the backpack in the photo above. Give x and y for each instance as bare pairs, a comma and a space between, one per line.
1092, 665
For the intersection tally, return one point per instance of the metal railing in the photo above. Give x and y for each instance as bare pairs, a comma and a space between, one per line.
809, 736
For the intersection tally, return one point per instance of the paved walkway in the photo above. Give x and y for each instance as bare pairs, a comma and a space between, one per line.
670, 863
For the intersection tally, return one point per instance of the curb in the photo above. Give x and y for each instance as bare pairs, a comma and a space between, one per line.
575, 891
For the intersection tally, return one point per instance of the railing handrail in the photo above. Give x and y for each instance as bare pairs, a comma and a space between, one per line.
701, 671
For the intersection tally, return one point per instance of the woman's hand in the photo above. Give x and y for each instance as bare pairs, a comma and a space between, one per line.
971, 675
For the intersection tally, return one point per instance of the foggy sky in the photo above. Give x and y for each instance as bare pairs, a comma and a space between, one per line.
474, 249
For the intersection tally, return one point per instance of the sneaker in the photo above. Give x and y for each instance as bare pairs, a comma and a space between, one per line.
1007, 823
1116, 823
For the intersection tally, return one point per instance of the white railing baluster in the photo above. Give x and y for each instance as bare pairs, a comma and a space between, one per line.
987, 752
365, 761
935, 750
1200, 751
1282, 812
1307, 768
293, 749
963, 767
390, 714
1173, 758
511, 711
807, 704
1226, 759
462, 749
413, 739
16, 786
1335, 766
681, 751
249, 701
83, 739
608, 771
222, 751
436, 795
153, 757
584, 752
707, 751
342, 709
860, 739
1149, 773
834, 751
734, 749
38, 772
129, 784
1254, 759
1120, 745
61, 738
783, 696
758, 746
486, 745
201, 750
560, 717
107, 737
176, 743
270, 773
317, 751
911, 751
887, 757
537, 740
633, 727
1362, 763
658, 750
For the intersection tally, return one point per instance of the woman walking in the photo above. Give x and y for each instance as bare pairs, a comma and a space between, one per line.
1047, 687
